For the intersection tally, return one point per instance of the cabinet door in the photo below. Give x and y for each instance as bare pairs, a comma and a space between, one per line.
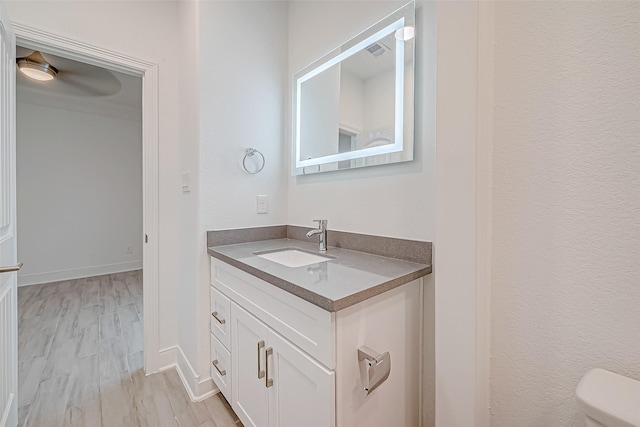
303, 391
248, 388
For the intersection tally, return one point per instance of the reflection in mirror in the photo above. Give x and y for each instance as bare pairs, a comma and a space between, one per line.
354, 107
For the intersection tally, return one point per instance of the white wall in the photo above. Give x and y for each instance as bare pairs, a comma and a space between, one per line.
379, 101
79, 193
116, 26
244, 107
243, 79
565, 293
319, 114
455, 265
192, 239
351, 101
377, 200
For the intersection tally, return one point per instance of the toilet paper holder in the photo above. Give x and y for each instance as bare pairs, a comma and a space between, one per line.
374, 367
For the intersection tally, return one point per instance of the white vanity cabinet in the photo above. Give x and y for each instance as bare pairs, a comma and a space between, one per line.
290, 363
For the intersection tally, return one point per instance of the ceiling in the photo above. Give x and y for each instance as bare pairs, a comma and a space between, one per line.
83, 82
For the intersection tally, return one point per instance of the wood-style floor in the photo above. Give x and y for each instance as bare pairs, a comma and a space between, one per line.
80, 352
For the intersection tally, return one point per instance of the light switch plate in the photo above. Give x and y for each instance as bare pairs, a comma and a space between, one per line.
263, 204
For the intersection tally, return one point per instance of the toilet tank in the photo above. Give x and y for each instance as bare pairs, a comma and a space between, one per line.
611, 399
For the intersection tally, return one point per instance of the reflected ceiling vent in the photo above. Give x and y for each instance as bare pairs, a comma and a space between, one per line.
377, 49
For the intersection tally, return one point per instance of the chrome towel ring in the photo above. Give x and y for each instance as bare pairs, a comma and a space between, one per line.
250, 153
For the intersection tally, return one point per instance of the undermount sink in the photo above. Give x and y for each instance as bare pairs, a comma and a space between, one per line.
291, 257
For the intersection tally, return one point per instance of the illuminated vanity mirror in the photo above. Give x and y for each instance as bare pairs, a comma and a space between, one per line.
354, 107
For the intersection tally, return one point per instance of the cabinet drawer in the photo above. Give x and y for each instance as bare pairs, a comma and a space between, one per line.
220, 317
221, 367
306, 325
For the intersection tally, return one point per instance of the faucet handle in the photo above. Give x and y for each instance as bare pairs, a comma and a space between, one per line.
322, 223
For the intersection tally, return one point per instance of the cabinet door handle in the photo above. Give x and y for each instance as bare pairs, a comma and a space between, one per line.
9, 269
260, 371
215, 316
215, 365
268, 382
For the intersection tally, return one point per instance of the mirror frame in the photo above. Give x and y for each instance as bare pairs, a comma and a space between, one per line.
402, 17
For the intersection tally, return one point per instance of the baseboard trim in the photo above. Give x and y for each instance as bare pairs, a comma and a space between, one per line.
207, 388
167, 359
198, 389
57, 276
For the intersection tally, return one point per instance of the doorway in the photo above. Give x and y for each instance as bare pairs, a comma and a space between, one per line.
79, 219
35, 39
79, 170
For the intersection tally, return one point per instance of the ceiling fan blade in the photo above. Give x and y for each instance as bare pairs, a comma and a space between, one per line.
79, 79
81, 87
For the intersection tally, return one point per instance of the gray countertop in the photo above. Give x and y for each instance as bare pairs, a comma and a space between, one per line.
347, 279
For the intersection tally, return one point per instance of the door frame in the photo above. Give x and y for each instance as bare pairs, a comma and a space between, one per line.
30, 37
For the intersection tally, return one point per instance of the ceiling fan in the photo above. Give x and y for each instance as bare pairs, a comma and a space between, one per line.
52, 73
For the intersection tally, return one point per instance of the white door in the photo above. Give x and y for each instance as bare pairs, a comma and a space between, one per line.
8, 292
302, 391
248, 379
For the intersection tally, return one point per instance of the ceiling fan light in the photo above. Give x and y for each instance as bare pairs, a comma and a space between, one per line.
36, 70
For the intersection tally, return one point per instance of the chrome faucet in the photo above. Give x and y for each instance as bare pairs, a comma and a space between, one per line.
322, 232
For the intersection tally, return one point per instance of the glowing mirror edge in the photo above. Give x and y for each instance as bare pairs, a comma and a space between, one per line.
381, 149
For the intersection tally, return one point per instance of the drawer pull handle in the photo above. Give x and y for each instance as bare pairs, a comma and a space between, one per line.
268, 381
11, 268
215, 316
260, 371
215, 365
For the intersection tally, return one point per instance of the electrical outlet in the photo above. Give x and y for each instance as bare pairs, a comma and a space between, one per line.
263, 204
